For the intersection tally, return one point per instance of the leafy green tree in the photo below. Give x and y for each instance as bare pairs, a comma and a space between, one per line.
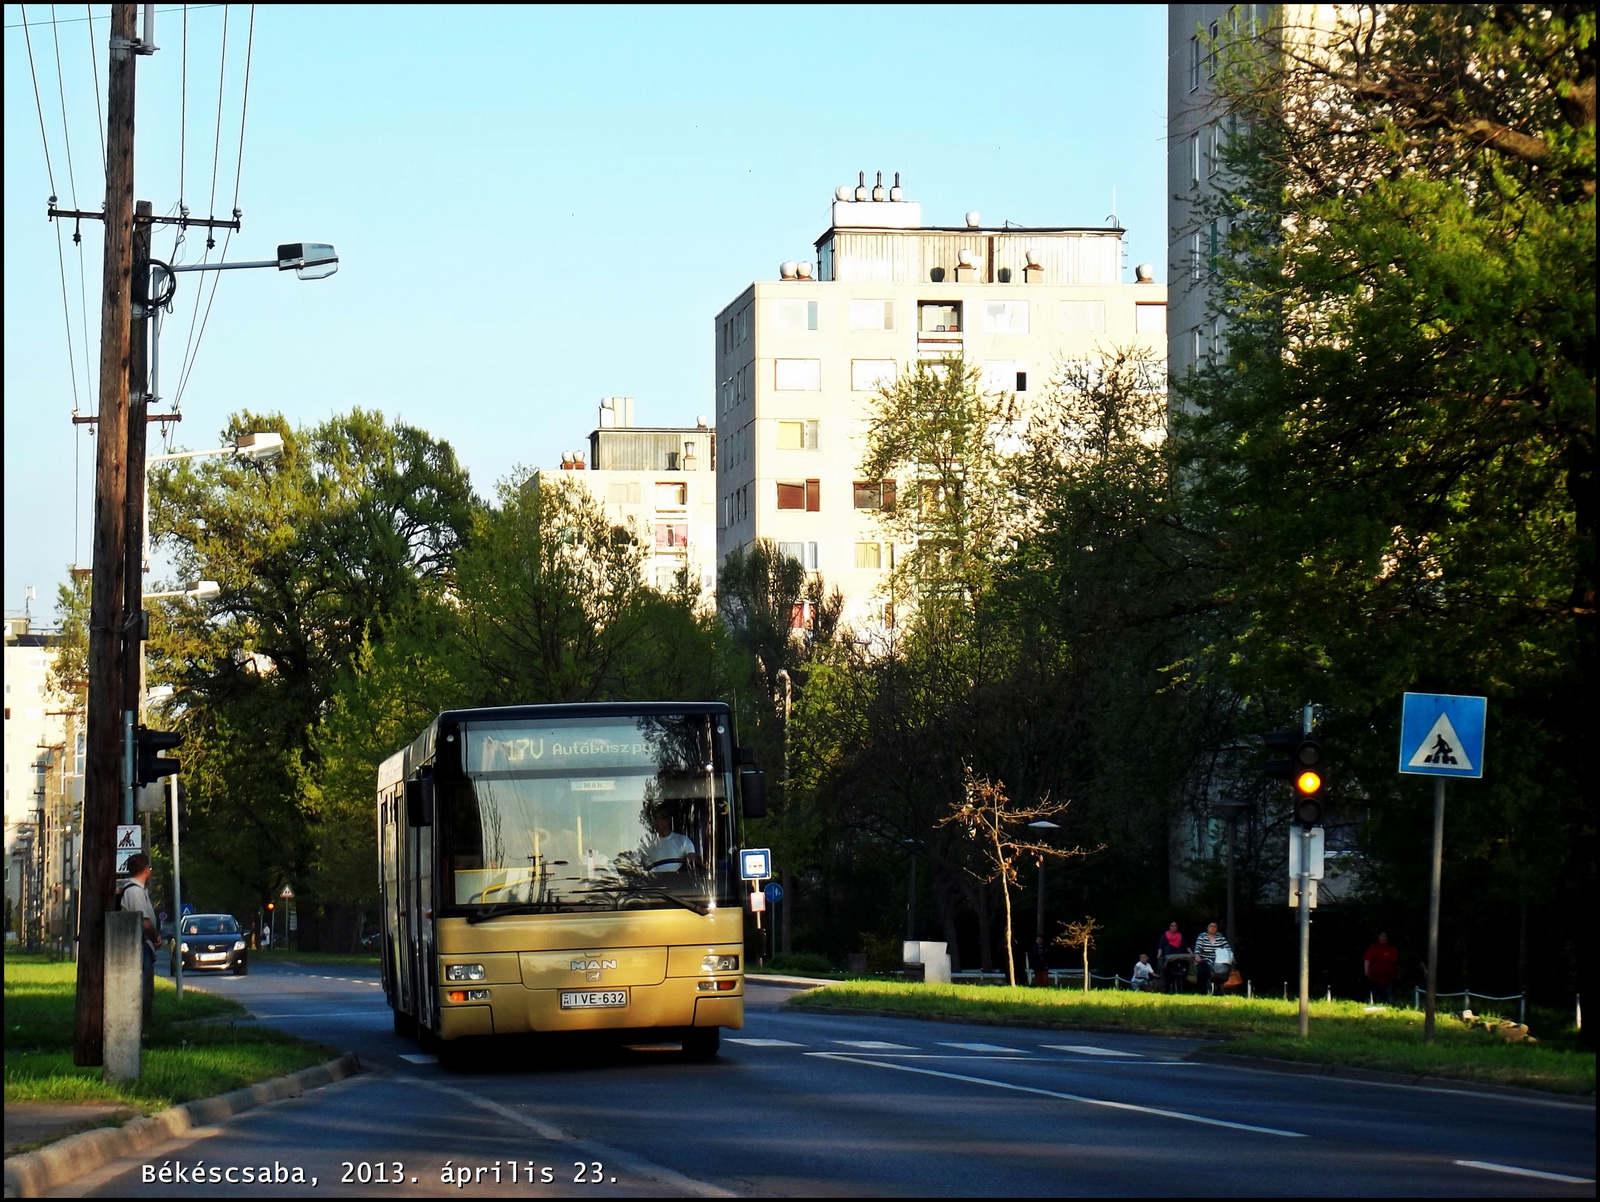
319, 554
1393, 464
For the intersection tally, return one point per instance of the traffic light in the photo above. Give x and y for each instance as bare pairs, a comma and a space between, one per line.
149, 764
1297, 759
1308, 782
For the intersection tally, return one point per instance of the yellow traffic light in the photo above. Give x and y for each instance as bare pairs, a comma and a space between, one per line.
1308, 783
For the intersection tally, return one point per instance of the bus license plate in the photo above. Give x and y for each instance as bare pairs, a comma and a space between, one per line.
589, 999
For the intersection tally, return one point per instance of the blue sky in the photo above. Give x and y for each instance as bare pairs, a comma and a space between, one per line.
534, 208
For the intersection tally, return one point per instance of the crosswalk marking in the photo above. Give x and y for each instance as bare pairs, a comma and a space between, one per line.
419, 1057
984, 1047
1084, 1049
768, 1043
874, 1045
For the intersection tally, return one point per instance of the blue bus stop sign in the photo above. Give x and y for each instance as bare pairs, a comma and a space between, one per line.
755, 863
1441, 734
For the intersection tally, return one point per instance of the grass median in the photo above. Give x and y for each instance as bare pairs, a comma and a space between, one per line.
1345, 1034
314, 959
191, 1050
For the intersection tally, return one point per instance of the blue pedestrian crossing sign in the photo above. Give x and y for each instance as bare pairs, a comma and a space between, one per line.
1441, 734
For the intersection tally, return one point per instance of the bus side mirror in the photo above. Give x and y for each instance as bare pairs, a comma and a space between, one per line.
419, 803
753, 790
745, 756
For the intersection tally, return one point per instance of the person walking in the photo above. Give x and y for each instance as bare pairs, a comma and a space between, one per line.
1210, 948
1038, 970
133, 897
1380, 964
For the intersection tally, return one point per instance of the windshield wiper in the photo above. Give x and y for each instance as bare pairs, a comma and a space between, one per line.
505, 908
655, 891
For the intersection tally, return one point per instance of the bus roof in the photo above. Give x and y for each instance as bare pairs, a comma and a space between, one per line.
584, 709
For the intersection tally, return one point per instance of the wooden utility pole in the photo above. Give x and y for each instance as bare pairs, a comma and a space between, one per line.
103, 759
133, 507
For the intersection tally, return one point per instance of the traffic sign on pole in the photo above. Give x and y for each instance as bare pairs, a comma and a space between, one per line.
755, 863
1442, 734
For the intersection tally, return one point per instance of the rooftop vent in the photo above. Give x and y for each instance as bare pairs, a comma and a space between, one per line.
896, 193
788, 269
877, 188
803, 270
861, 185
974, 220
1144, 274
1031, 258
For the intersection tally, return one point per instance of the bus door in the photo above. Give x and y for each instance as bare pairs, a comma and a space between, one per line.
422, 910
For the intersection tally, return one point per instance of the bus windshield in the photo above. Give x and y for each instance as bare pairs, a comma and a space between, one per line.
592, 814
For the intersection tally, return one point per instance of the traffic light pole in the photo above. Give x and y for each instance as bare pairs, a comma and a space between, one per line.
1305, 931
1435, 876
177, 892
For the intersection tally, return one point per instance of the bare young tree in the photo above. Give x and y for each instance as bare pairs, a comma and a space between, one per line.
989, 815
1080, 935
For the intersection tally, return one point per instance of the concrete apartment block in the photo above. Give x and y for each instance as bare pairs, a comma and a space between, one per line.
799, 360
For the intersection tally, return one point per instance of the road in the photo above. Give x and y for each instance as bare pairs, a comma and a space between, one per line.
802, 1104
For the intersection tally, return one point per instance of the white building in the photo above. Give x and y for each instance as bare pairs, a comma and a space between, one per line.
799, 358
660, 484
35, 742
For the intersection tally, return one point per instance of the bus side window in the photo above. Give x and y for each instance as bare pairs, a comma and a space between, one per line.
419, 802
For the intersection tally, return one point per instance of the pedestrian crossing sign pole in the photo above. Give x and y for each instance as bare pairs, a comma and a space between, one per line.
1441, 735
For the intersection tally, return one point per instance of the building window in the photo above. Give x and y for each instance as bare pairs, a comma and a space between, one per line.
1196, 347
1087, 317
1149, 319
871, 315
869, 555
874, 494
792, 316
1194, 256
797, 436
1219, 341
623, 492
798, 375
744, 325
1211, 259
939, 317
1005, 317
1194, 158
1194, 62
1211, 55
672, 495
1213, 149
1005, 375
803, 553
672, 536
800, 494
868, 375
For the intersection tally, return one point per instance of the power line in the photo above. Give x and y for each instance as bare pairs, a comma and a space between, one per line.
99, 116
216, 146
66, 132
38, 105
25, 23
244, 107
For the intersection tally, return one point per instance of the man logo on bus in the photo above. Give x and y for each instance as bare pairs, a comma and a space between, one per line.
591, 965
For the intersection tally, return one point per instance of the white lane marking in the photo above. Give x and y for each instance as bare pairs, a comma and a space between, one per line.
1514, 1170
635, 1165
984, 1047
768, 1043
875, 1045
1065, 1097
350, 1013
1084, 1049
419, 1058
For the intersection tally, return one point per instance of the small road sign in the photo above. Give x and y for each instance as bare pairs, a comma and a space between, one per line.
774, 892
755, 863
1442, 734
122, 861
130, 837
287, 892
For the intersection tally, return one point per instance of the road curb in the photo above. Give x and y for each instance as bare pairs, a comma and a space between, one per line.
972, 1021
33, 1174
1267, 1064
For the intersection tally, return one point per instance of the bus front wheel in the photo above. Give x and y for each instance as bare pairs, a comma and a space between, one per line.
702, 1043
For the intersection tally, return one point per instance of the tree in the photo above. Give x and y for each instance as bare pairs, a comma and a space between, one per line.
1393, 465
1080, 935
991, 818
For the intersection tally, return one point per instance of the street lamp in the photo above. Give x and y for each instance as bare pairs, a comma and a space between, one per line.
258, 448
1230, 812
1044, 826
198, 590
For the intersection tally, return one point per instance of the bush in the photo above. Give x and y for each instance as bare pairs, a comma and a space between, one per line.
800, 962
883, 954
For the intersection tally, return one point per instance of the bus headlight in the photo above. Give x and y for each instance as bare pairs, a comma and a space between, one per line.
715, 963
463, 972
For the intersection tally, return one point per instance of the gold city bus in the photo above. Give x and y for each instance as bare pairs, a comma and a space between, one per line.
551, 868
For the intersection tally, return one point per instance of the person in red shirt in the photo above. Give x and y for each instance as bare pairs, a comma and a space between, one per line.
1379, 963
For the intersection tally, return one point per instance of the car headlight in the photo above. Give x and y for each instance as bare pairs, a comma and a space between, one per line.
238, 945
463, 972
715, 963
183, 947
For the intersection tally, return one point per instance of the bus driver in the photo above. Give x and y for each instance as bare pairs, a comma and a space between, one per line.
670, 850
